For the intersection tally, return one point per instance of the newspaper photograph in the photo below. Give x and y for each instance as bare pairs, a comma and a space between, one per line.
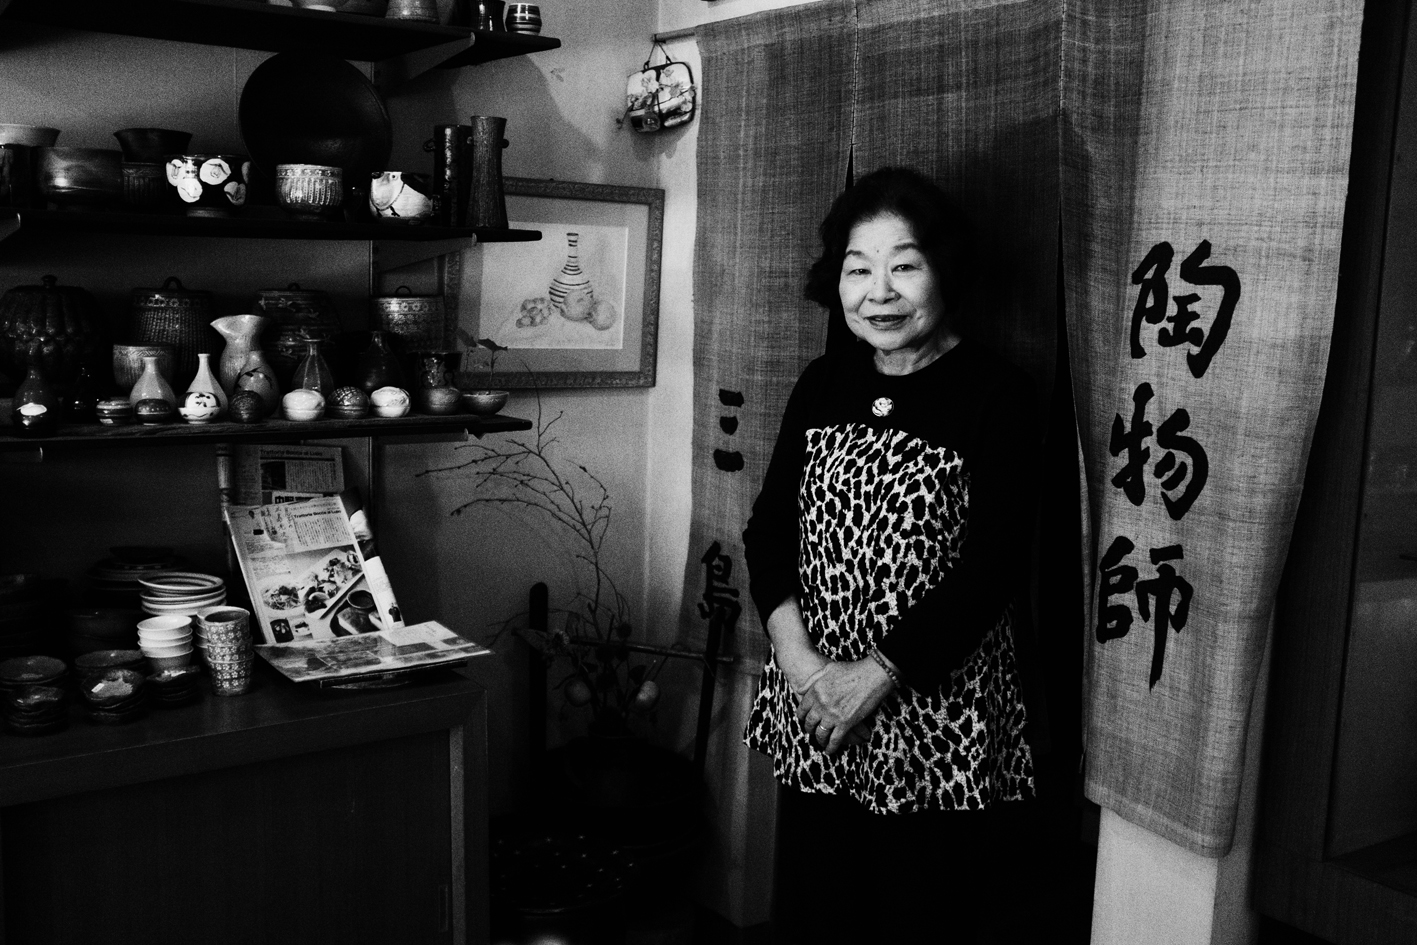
306, 574
417, 646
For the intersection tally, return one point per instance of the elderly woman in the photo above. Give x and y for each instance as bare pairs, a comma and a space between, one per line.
891, 530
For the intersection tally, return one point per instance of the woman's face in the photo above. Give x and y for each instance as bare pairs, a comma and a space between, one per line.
889, 293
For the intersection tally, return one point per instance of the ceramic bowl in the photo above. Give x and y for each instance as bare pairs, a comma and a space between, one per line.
101, 661
128, 363
34, 136
440, 400
104, 622
144, 185
114, 686
175, 661
389, 402
484, 402
164, 624
309, 190
81, 176
166, 649
399, 197
151, 145
209, 184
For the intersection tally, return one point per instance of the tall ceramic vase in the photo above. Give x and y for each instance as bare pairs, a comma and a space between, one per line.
243, 337
152, 385
207, 381
488, 206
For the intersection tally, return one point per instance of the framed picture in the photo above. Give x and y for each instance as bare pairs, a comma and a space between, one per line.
579, 307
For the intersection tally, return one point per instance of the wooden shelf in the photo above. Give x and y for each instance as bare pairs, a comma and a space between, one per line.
95, 436
248, 223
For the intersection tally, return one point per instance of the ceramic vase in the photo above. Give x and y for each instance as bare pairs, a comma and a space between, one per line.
313, 373
488, 204
243, 338
378, 367
152, 385
207, 382
258, 376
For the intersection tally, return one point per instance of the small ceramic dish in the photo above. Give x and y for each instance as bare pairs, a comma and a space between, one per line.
180, 583
440, 400
484, 402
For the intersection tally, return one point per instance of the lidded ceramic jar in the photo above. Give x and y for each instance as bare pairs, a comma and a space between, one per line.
178, 316
59, 328
297, 317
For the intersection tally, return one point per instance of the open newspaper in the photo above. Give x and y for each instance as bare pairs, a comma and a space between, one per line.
415, 647
307, 573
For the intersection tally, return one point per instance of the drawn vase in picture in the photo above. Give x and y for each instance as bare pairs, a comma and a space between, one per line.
571, 289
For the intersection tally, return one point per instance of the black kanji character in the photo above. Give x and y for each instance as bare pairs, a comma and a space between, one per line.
1160, 589
1114, 620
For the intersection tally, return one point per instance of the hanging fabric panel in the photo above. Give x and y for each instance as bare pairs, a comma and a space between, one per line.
772, 155
1205, 161
967, 92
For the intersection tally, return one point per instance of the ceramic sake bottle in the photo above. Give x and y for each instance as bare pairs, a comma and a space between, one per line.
242, 334
378, 366
207, 381
152, 385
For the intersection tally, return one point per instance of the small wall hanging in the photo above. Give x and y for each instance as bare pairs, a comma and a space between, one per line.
660, 96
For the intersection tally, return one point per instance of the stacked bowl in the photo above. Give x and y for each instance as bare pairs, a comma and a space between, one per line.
173, 687
114, 580
224, 636
114, 696
166, 641
180, 593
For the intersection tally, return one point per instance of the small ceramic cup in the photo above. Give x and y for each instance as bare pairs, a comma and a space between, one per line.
224, 624
523, 18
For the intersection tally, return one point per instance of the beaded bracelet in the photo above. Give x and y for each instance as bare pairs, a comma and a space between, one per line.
881, 662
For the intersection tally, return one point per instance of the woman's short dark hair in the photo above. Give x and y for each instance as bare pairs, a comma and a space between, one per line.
936, 221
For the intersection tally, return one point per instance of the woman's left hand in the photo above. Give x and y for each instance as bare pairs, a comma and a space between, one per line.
839, 698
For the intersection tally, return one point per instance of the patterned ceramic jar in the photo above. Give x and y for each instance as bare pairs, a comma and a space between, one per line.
309, 190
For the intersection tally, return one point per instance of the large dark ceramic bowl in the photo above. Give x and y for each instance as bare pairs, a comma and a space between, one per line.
151, 145
81, 176
314, 108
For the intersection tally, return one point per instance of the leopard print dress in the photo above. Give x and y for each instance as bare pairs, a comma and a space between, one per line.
881, 518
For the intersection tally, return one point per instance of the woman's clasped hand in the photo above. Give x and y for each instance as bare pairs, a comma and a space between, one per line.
836, 702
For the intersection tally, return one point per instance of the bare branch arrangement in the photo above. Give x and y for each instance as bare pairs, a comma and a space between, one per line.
594, 638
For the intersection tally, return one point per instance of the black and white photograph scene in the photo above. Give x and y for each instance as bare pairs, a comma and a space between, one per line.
708, 472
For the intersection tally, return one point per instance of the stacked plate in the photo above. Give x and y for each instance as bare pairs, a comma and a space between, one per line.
89, 666
180, 593
174, 687
21, 671
35, 710
114, 696
116, 579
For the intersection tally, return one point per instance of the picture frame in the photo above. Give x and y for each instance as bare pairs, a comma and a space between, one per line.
578, 308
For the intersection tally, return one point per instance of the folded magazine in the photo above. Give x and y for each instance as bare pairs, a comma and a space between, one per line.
383, 652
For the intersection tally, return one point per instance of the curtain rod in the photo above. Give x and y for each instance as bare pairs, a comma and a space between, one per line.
667, 35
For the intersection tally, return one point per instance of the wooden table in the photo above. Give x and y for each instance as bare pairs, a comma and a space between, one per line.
288, 814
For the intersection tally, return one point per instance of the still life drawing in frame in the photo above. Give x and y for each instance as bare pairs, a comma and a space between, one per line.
579, 307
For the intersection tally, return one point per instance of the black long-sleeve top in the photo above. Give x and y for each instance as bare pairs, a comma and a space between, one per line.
969, 401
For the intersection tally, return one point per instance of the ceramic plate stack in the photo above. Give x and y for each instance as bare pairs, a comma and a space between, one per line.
32, 694
35, 710
114, 581
114, 696
92, 665
174, 687
180, 593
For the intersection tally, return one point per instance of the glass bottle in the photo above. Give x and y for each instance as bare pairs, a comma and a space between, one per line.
35, 389
378, 366
81, 406
151, 385
206, 380
314, 373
